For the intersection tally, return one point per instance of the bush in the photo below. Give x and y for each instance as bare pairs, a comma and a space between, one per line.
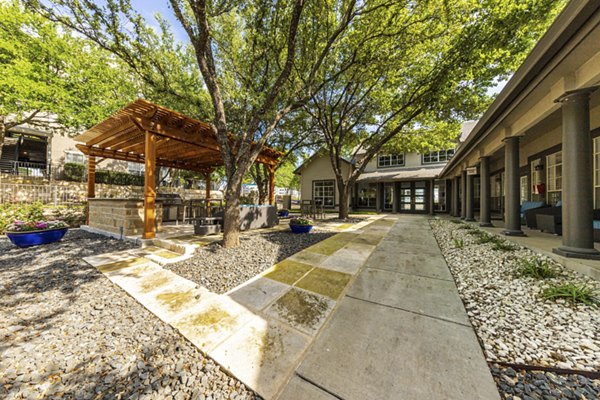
486, 238
119, 178
459, 243
74, 172
537, 268
503, 245
301, 221
572, 293
10, 213
456, 221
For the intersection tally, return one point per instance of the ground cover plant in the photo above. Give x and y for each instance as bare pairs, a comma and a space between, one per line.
536, 267
573, 293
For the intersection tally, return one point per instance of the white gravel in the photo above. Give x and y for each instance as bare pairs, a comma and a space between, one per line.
220, 269
67, 332
513, 321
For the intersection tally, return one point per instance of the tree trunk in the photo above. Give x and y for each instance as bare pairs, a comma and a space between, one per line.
2, 134
259, 174
231, 219
344, 202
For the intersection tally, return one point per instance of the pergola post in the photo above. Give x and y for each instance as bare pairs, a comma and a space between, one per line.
208, 182
149, 186
91, 180
271, 185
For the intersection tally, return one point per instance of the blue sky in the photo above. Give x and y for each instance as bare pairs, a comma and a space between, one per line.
149, 8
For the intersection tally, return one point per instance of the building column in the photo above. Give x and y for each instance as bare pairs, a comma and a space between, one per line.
379, 200
469, 213
150, 187
455, 199
463, 195
485, 216
396, 194
512, 213
431, 199
577, 178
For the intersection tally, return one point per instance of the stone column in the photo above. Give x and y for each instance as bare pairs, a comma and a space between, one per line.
577, 177
380, 195
455, 196
469, 214
463, 195
431, 199
485, 217
512, 213
395, 196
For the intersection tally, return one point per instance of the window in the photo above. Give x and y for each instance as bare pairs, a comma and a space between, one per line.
367, 195
135, 168
390, 160
554, 177
74, 157
524, 189
324, 193
438, 156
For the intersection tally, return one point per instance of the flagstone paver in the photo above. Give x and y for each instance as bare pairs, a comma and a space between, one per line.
259, 330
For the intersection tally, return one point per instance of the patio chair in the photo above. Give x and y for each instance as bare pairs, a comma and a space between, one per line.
550, 220
529, 210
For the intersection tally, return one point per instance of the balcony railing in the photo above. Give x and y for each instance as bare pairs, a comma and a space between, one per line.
22, 168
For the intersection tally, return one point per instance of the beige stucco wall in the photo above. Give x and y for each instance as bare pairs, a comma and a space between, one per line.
60, 144
319, 169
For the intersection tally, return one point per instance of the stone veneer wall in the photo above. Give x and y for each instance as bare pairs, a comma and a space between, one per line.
112, 214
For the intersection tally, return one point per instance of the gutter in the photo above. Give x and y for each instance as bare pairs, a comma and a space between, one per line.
573, 17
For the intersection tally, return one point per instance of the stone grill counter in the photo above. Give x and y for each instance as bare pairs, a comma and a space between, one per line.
112, 215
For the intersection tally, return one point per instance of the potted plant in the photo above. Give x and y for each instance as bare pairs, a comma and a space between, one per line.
25, 234
301, 225
283, 213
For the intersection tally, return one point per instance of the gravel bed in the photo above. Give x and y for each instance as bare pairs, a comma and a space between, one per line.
521, 384
516, 325
510, 316
68, 332
220, 269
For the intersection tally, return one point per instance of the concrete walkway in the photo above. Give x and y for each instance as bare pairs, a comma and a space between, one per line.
260, 330
400, 331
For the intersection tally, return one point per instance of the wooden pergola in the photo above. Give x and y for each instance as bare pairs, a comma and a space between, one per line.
144, 132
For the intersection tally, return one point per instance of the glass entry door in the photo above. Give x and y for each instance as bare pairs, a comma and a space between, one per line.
413, 196
388, 196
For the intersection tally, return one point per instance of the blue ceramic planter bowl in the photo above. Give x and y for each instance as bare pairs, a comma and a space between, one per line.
301, 228
35, 238
283, 214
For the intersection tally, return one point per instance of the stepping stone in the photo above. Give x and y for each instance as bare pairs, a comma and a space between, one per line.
288, 271
119, 265
303, 310
325, 282
258, 293
308, 257
299, 389
262, 354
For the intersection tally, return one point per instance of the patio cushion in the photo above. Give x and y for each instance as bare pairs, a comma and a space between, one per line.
530, 205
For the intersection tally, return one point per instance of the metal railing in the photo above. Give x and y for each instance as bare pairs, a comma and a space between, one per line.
22, 168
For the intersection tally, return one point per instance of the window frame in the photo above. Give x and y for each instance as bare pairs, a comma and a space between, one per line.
389, 156
322, 181
437, 154
71, 153
551, 175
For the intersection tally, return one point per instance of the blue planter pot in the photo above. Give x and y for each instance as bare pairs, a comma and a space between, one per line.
301, 228
35, 238
283, 214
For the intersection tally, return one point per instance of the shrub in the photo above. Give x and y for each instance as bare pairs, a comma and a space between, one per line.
572, 293
465, 226
10, 213
536, 267
486, 238
503, 245
20, 226
476, 232
119, 178
459, 243
74, 172
456, 221
301, 221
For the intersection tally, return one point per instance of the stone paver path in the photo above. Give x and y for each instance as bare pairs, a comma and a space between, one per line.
399, 332
260, 330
